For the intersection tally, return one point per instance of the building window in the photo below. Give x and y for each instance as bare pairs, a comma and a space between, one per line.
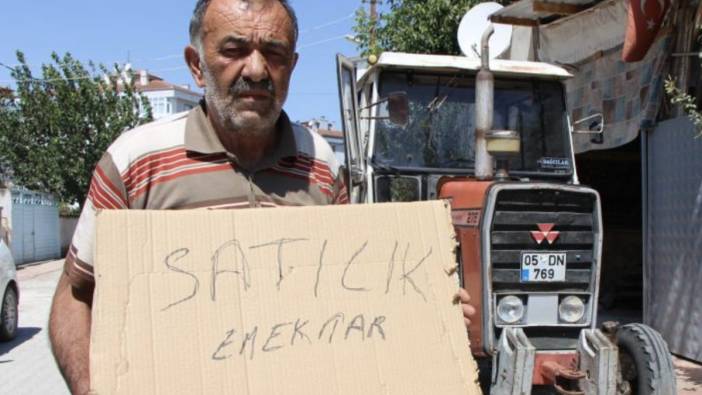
158, 105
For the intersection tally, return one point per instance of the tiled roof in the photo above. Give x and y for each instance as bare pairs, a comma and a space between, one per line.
156, 83
5, 92
330, 133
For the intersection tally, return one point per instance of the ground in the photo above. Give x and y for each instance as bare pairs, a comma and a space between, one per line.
689, 377
28, 368
26, 363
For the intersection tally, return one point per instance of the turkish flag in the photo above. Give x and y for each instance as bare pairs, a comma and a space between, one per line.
645, 19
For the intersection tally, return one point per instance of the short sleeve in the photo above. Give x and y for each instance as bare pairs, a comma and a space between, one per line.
340, 191
107, 192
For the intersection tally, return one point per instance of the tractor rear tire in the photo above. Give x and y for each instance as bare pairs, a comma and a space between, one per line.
644, 360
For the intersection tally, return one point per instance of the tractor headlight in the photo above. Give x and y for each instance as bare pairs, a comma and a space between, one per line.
571, 309
510, 309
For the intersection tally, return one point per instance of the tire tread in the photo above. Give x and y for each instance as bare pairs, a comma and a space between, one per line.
661, 377
4, 335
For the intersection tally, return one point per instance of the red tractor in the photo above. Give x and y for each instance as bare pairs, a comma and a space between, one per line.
494, 137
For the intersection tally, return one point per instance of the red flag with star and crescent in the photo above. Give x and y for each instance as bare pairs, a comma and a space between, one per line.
645, 19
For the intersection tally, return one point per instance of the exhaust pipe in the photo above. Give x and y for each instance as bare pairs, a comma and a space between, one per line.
484, 103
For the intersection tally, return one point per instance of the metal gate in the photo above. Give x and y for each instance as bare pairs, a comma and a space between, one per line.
673, 235
35, 227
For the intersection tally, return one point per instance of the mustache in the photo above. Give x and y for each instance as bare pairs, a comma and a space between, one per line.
243, 85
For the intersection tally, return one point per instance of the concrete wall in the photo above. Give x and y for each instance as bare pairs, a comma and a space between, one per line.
67, 226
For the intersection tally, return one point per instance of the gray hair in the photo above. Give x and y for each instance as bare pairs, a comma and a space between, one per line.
199, 15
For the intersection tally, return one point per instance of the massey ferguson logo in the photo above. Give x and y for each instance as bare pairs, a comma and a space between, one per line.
545, 232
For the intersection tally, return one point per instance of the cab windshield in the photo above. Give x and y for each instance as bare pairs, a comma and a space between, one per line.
440, 132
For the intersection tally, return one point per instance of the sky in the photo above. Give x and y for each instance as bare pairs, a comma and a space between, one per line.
151, 34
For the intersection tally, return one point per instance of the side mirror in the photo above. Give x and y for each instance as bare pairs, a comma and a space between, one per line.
593, 124
397, 108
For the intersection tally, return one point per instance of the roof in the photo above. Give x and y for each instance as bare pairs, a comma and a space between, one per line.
5, 92
330, 133
156, 83
539, 12
389, 60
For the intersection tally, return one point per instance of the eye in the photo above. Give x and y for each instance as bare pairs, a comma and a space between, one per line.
277, 55
234, 52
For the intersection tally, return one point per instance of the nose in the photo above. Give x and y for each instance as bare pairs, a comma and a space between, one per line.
256, 68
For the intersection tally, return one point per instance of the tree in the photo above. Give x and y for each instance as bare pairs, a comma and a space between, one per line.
54, 129
687, 102
415, 26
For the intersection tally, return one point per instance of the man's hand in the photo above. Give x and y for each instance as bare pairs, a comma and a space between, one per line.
468, 309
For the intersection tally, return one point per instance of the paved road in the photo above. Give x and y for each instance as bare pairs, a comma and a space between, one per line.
689, 377
27, 367
26, 364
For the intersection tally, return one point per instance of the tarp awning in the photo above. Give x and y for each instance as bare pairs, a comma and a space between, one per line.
602, 27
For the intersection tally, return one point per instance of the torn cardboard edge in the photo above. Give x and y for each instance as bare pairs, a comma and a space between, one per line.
313, 300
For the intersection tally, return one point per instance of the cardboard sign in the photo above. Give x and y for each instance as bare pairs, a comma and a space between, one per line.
311, 300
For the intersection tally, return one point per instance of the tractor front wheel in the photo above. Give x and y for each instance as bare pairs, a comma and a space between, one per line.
644, 360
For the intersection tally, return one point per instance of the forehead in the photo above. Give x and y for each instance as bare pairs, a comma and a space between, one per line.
266, 18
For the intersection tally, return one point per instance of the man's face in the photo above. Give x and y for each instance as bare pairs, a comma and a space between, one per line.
247, 57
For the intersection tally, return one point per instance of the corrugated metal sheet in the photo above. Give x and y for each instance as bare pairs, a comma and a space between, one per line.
536, 12
673, 239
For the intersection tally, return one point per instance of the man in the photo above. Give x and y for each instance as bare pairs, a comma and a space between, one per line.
238, 149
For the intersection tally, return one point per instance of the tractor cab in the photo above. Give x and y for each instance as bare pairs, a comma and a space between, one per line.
415, 122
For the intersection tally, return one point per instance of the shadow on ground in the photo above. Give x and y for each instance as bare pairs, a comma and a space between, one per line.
23, 335
691, 373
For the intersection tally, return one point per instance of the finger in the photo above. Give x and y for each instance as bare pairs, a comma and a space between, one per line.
464, 295
466, 321
468, 310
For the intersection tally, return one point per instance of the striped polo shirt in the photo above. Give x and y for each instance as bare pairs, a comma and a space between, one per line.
179, 163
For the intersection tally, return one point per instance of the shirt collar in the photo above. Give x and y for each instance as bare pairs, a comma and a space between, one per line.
201, 137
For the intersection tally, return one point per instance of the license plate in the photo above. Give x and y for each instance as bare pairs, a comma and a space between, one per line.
543, 267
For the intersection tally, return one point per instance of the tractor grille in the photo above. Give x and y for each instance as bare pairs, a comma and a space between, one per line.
518, 213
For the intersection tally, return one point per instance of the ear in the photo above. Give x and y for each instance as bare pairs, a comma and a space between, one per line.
192, 59
296, 56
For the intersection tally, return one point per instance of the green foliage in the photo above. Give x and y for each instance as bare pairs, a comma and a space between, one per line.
688, 103
414, 26
54, 129
69, 211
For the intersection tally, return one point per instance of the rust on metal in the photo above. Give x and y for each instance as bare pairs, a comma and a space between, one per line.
558, 8
568, 359
511, 20
539, 12
563, 376
467, 197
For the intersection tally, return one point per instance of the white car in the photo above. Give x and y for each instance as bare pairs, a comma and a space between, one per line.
9, 292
